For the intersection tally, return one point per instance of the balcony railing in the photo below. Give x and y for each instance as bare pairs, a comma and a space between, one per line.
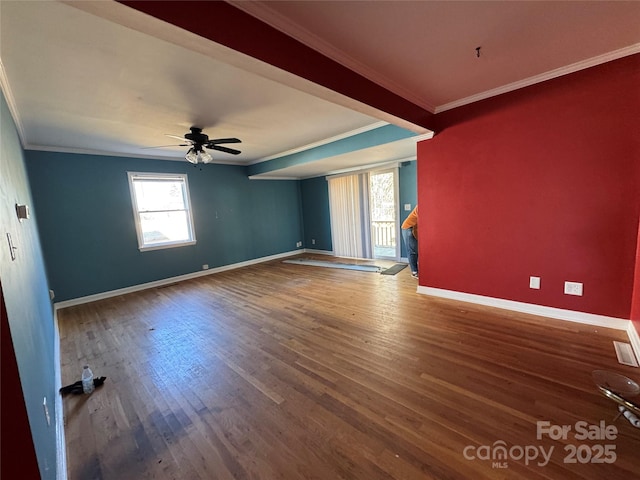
384, 234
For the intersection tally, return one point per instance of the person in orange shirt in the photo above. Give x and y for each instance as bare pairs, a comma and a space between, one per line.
410, 236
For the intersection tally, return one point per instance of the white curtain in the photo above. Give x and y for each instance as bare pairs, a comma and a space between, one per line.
349, 209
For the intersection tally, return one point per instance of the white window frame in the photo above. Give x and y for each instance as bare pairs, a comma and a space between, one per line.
181, 177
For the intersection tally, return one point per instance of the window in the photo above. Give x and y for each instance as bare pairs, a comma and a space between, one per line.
162, 210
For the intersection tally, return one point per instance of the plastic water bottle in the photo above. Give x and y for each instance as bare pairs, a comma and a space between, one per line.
87, 380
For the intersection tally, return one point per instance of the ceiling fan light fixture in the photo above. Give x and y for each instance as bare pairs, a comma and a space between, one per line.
205, 156
192, 156
198, 141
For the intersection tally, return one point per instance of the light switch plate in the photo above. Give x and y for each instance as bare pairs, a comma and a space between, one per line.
46, 412
12, 248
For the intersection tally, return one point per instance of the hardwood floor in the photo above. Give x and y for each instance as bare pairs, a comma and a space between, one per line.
281, 371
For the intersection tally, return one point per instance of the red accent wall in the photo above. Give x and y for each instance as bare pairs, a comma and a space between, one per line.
17, 453
543, 181
635, 303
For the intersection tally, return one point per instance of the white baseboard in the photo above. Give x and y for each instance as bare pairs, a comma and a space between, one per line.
550, 312
61, 447
167, 281
330, 252
634, 339
320, 252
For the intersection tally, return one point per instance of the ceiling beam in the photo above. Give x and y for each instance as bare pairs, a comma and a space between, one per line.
227, 25
372, 138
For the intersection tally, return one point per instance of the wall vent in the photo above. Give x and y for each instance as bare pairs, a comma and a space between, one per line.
625, 354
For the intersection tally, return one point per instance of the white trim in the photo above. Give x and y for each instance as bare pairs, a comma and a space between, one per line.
398, 215
634, 339
368, 168
320, 252
541, 310
320, 143
280, 22
163, 246
377, 166
11, 103
558, 72
261, 176
338, 173
186, 198
61, 447
271, 17
374, 167
167, 281
139, 21
105, 153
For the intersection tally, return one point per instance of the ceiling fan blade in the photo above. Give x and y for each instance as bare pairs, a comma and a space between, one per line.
179, 138
163, 146
232, 151
224, 140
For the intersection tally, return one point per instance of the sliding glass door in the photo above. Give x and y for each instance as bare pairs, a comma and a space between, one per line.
349, 209
383, 209
364, 217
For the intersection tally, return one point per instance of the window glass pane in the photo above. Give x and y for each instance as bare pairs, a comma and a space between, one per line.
161, 209
161, 227
159, 195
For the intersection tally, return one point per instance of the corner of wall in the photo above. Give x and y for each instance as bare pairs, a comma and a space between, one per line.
532, 309
61, 459
634, 337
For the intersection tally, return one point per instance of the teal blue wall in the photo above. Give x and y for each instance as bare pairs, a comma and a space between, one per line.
408, 181
315, 211
88, 231
26, 296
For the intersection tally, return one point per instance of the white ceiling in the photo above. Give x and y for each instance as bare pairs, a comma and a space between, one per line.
99, 77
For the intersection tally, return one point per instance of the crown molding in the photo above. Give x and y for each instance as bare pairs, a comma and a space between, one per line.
258, 177
319, 143
427, 134
266, 14
104, 153
558, 72
11, 103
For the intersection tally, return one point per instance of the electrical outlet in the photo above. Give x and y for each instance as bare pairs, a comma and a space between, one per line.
573, 288
205, 267
313, 241
298, 244
534, 282
407, 207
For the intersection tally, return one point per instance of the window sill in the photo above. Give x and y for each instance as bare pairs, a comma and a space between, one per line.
162, 246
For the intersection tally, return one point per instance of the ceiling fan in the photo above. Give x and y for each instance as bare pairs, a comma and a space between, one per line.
198, 141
